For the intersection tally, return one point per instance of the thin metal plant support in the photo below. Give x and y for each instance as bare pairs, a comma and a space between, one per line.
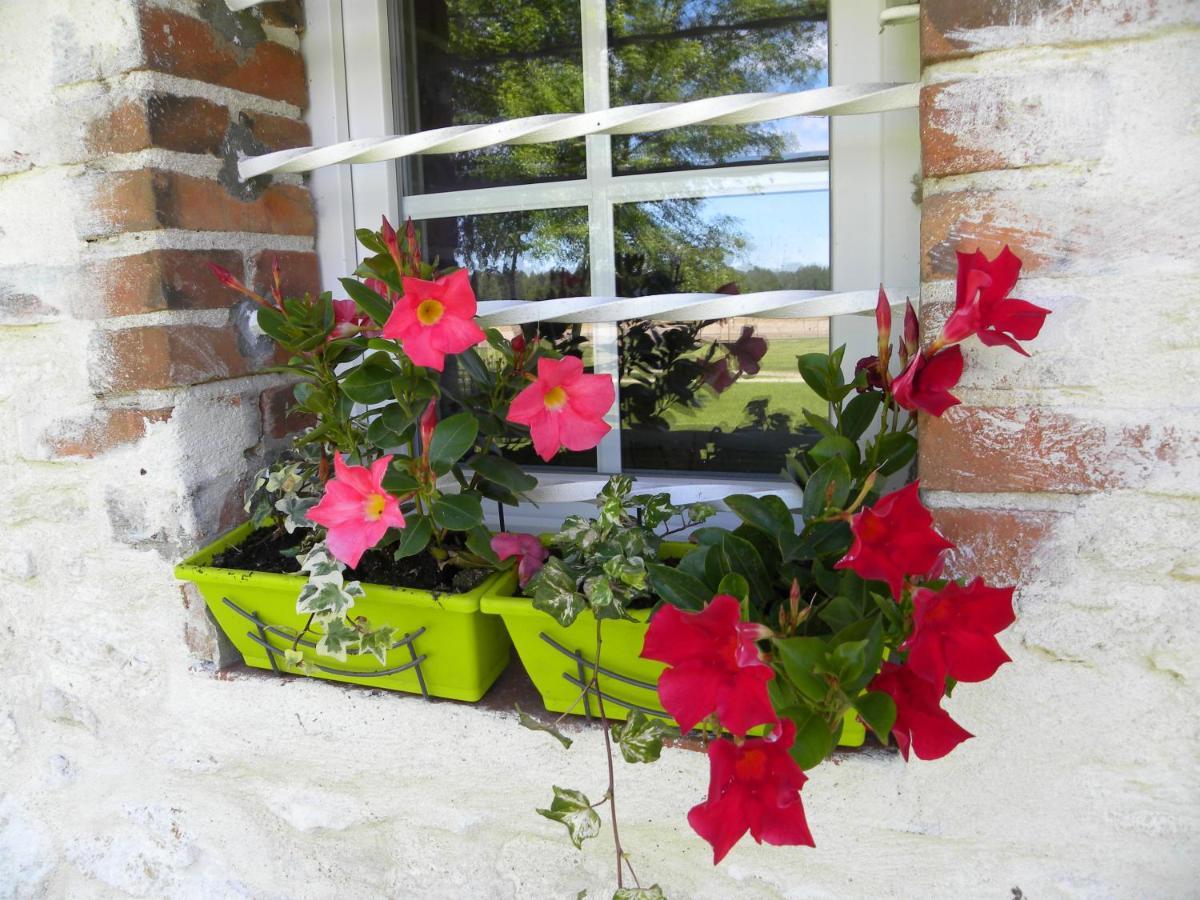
581, 680
261, 638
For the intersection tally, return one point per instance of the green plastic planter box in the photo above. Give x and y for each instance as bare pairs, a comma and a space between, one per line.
445, 647
559, 660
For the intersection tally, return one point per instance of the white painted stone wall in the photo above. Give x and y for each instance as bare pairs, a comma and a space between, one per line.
132, 769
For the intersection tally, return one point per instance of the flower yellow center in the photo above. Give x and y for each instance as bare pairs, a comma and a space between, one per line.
429, 312
555, 398
373, 507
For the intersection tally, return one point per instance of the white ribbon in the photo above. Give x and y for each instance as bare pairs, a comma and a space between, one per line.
734, 109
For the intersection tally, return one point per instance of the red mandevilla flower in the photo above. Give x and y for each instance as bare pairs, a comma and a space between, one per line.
954, 632
528, 550
982, 305
714, 666
921, 723
893, 539
754, 787
925, 382
356, 509
435, 318
748, 350
563, 407
716, 375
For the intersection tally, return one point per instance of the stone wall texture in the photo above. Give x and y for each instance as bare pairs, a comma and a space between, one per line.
133, 405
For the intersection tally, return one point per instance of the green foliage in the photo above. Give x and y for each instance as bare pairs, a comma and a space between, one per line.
528, 721
640, 737
575, 812
605, 563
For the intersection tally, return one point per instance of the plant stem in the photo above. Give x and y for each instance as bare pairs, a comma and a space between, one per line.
612, 796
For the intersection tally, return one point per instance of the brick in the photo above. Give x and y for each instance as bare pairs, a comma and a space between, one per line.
277, 132
998, 545
964, 220
299, 273
952, 29
104, 430
158, 280
153, 198
284, 14
989, 123
994, 449
279, 415
190, 48
165, 121
160, 356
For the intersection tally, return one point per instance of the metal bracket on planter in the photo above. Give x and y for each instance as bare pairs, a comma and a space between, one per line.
263, 628
580, 680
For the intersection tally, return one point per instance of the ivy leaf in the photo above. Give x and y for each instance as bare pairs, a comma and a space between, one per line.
378, 642
528, 721
553, 591
573, 810
640, 738
338, 639
654, 892
324, 598
293, 658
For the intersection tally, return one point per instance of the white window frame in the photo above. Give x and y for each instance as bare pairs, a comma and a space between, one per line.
874, 225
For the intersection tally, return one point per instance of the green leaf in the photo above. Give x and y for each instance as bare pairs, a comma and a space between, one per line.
654, 892
734, 585
758, 513
733, 554
503, 472
896, 451
370, 240
378, 642
820, 423
479, 542
814, 738
339, 637
600, 596
841, 612
553, 591
528, 721
678, 588
827, 488
640, 738
573, 810
829, 447
457, 512
878, 711
371, 382
803, 658
452, 437
293, 658
859, 413
414, 537
814, 368
367, 300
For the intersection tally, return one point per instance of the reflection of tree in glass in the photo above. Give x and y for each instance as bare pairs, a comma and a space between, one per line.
690, 49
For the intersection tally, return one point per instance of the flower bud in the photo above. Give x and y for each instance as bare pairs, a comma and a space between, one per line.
429, 421
883, 324
912, 333
870, 365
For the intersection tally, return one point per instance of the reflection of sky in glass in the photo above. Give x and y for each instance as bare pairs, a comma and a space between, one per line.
783, 231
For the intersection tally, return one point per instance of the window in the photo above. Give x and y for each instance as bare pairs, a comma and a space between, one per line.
796, 203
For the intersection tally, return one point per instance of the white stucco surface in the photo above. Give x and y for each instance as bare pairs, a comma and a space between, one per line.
131, 767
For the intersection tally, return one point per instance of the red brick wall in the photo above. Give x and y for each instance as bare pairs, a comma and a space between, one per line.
195, 90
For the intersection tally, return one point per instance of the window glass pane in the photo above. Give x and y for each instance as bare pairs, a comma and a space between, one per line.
724, 395
660, 52
485, 61
533, 255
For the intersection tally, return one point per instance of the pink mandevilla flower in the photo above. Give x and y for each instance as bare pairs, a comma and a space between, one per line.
714, 665
356, 510
563, 407
347, 320
435, 318
528, 550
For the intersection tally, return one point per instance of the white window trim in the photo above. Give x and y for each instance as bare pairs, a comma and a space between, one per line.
874, 223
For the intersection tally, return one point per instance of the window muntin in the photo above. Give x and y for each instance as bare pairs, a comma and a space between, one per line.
630, 207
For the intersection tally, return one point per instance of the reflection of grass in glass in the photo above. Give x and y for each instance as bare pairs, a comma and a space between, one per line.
728, 410
781, 354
